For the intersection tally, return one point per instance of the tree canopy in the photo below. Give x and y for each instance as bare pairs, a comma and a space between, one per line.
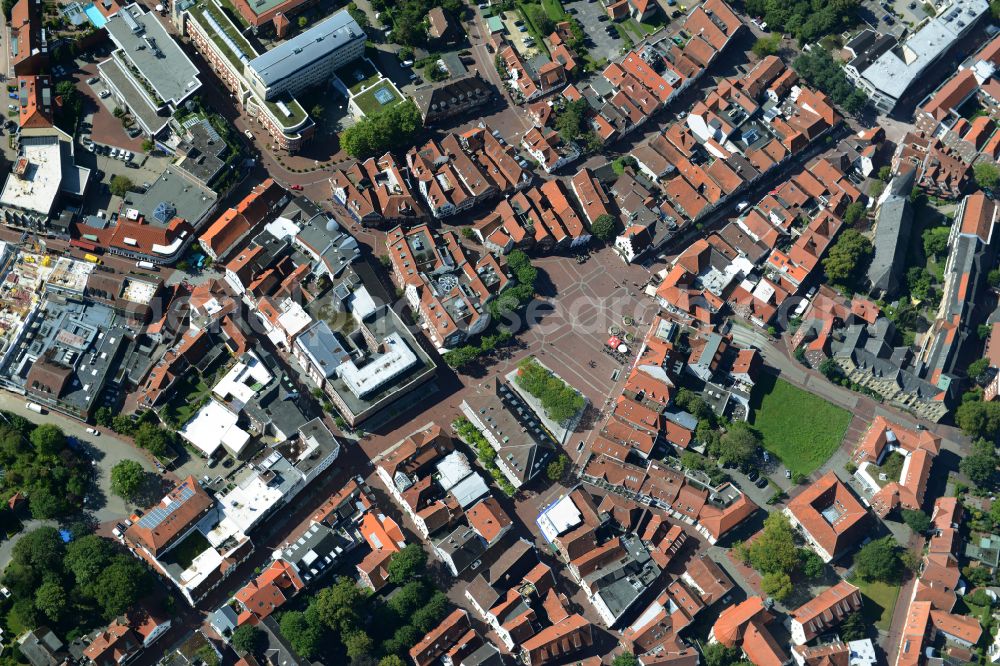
303, 634
121, 185
382, 131
936, 241
847, 261
559, 400
557, 468
247, 639
979, 419
918, 521
605, 227
878, 560
38, 464
625, 659
987, 175
48, 439
717, 654
980, 465
820, 70
806, 20
127, 477
774, 550
409, 562
71, 587
777, 585
739, 445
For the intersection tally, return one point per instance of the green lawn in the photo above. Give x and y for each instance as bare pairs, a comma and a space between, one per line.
802, 429
624, 35
183, 554
554, 10
880, 600
369, 103
358, 75
188, 394
640, 30
532, 28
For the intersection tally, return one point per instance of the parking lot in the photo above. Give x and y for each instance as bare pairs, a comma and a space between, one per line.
894, 17
602, 42
522, 41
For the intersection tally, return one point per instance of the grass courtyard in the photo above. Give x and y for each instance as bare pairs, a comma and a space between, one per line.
802, 429
358, 75
377, 98
879, 602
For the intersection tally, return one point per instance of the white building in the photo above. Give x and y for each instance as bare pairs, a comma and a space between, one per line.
894, 72
148, 73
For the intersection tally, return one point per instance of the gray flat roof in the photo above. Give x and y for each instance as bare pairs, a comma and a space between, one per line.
138, 102
190, 200
316, 42
146, 44
896, 69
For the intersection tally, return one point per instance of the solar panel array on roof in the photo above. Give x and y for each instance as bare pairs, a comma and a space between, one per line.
156, 516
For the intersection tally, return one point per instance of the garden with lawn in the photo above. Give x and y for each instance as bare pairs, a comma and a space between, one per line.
802, 429
879, 602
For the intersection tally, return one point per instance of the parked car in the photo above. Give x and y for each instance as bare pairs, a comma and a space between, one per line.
788, 473
94, 431
104, 94
297, 188
753, 475
248, 134
94, 79
761, 482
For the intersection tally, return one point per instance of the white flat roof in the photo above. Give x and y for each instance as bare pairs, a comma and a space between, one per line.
207, 429
37, 188
293, 317
453, 468
896, 69
559, 517
204, 564
238, 383
282, 228
380, 370
245, 504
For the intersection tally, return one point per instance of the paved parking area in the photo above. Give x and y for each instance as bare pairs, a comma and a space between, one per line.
879, 18
601, 42
105, 128
516, 37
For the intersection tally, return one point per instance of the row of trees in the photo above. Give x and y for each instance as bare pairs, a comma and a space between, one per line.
560, 401
70, 587
344, 619
145, 431
511, 300
381, 131
486, 454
